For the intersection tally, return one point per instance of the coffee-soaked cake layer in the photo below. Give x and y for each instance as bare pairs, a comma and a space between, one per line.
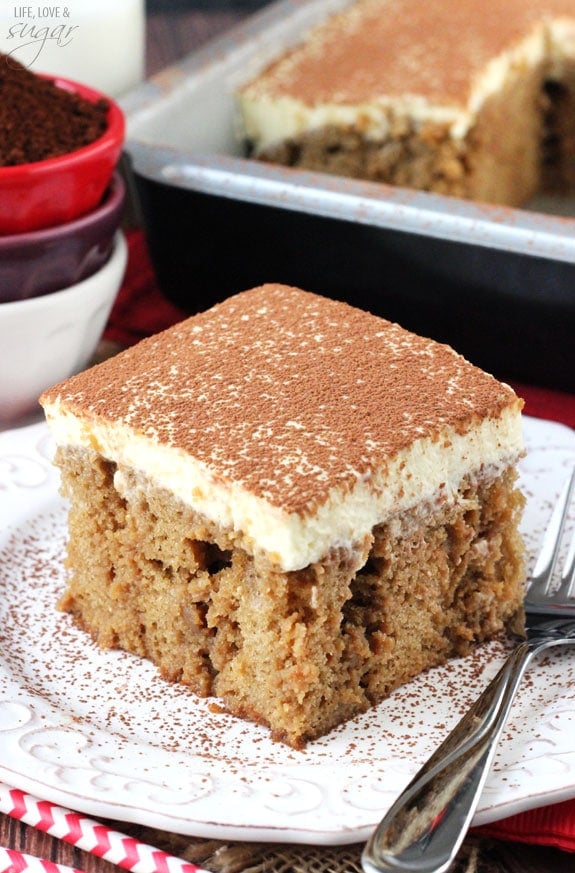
297, 651
285, 488
447, 96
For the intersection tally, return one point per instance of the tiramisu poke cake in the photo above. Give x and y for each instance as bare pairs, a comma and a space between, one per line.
470, 99
290, 504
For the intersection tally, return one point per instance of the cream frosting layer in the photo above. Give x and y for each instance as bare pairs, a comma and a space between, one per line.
268, 120
296, 421
430, 469
439, 68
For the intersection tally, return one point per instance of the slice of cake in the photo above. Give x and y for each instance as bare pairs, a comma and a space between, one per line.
290, 504
452, 96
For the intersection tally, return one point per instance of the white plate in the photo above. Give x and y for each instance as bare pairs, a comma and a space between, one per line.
100, 732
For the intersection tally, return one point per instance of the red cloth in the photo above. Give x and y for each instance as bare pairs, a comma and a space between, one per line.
552, 825
545, 403
141, 310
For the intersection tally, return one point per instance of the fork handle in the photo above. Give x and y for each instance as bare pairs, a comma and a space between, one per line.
424, 829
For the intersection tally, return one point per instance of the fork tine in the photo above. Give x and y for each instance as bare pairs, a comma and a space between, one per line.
549, 553
567, 586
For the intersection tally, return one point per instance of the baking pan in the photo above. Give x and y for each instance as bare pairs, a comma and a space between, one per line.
498, 284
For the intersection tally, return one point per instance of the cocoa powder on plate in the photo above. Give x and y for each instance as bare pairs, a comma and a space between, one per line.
40, 120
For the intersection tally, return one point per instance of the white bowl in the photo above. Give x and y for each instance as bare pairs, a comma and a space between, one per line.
48, 338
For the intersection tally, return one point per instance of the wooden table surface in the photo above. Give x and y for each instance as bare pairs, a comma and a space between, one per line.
174, 28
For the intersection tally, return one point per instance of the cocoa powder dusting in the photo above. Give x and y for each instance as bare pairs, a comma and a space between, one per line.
40, 120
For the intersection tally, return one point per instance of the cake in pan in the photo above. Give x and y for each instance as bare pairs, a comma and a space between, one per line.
290, 504
475, 100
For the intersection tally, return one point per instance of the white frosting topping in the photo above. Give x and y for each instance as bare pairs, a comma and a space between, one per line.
273, 111
426, 470
295, 421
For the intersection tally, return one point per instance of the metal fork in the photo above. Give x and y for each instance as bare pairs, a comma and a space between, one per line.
424, 829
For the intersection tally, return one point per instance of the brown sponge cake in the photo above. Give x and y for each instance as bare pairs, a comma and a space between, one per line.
452, 96
290, 504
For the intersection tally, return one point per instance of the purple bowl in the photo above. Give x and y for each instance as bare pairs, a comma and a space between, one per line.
42, 261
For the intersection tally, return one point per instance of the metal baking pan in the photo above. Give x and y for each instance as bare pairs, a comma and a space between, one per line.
497, 284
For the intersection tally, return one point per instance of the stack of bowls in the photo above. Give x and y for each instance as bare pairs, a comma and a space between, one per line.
62, 260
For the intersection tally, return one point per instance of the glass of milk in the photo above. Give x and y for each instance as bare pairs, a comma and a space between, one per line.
99, 43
